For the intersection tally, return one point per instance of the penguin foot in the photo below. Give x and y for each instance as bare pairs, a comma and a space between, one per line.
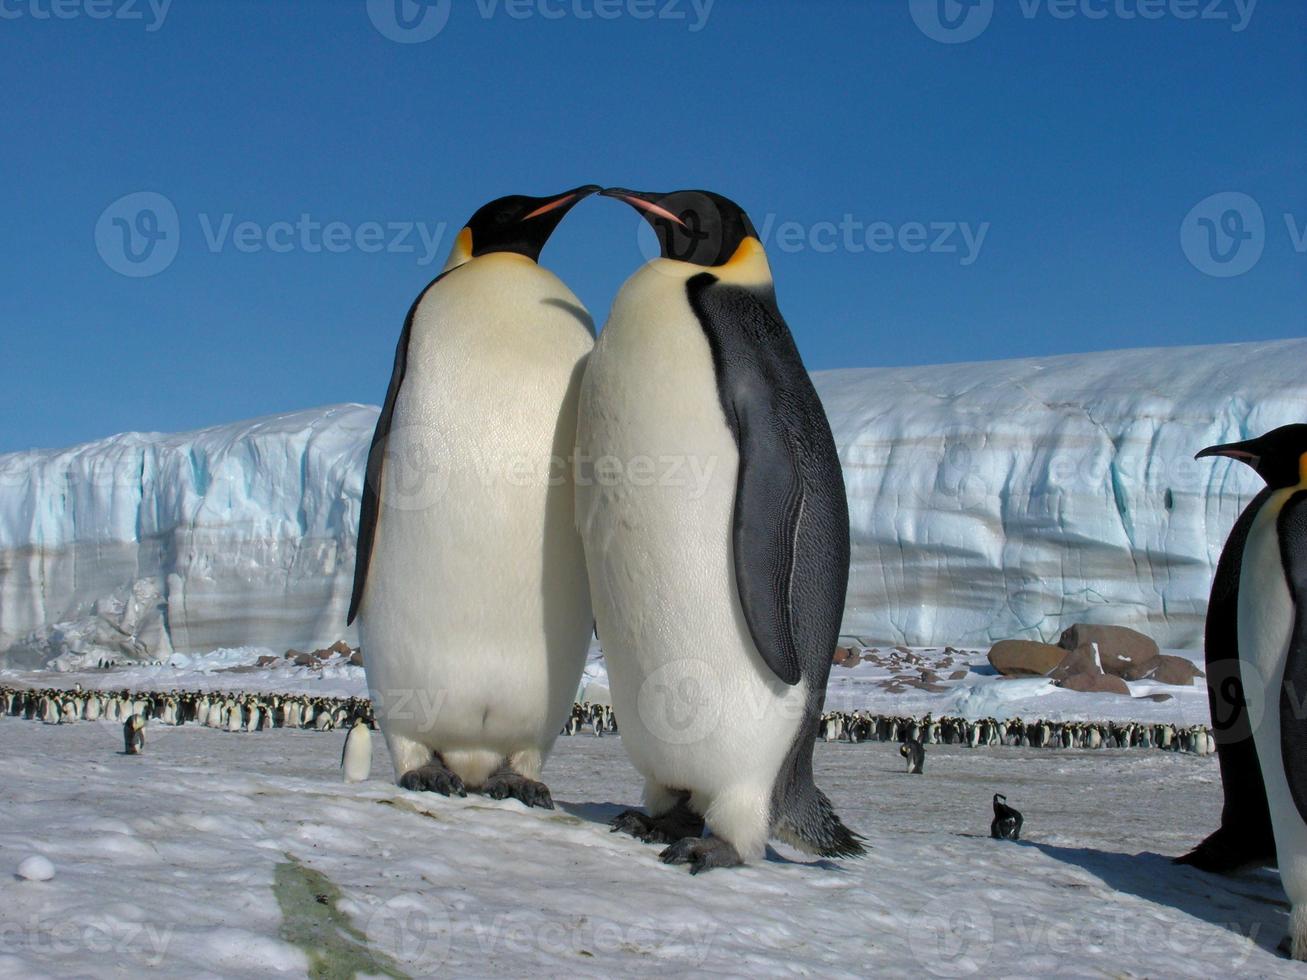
675, 825
433, 778
702, 854
1225, 852
506, 783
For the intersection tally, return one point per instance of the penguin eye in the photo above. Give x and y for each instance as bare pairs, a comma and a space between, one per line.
503, 217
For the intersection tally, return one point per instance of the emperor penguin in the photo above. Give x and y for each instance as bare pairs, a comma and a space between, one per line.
134, 735
1245, 837
470, 585
716, 536
1272, 632
356, 756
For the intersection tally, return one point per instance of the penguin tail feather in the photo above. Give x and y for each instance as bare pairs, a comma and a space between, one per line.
814, 827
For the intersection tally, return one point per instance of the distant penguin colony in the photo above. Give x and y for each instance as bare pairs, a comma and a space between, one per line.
470, 585
229, 711
732, 590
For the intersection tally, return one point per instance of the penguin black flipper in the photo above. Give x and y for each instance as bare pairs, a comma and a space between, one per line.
1291, 526
1245, 836
371, 504
790, 528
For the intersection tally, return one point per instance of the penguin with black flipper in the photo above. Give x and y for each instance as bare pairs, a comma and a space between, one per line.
134, 735
914, 753
1007, 821
1271, 628
719, 597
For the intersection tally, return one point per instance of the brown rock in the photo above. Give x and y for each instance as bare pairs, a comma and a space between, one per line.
1024, 658
903, 650
1095, 684
1166, 669
929, 676
1122, 651
957, 675
1077, 661
303, 659
292, 653
839, 656
339, 647
267, 661
356, 658
1155, 697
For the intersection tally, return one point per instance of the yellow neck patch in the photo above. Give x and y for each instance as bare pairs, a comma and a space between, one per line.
462, 251
747, 267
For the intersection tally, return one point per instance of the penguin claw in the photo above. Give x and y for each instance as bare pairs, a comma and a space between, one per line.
702, 854
502, 785
668, 829
433, 778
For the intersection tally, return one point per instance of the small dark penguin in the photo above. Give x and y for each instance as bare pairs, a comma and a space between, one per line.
134, 735
915, 754
1006, 824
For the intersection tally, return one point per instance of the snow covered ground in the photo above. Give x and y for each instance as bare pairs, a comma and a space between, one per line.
867, 686
988, 501
244, 856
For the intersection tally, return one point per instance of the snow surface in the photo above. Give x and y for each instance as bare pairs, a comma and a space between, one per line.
244, 855
989, 500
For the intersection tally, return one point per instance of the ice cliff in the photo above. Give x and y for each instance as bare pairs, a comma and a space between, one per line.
988, 500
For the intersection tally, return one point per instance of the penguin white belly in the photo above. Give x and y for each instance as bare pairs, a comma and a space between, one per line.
476, 618
699, 708
1266, 617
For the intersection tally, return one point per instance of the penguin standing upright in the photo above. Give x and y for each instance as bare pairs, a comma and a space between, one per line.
134, 735
1244, 838
717, 542
469, 585
1272, 632
356, 756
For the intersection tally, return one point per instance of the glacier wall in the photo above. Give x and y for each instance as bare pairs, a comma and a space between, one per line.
988, 500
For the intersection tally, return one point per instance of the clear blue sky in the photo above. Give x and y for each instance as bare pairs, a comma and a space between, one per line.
1080, 144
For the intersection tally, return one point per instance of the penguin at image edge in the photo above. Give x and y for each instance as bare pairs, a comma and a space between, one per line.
470, 586
1245, 838
732, 586
1272, 634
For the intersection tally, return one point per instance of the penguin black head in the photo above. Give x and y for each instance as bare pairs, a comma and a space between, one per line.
516, 223
1279, 457
698, 227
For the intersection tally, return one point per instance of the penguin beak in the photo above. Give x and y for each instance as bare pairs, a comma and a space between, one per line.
643, 201
1246, 452
565, 200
